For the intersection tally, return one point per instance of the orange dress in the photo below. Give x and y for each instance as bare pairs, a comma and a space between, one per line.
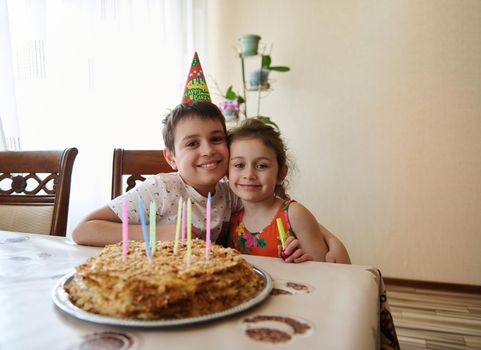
262, 243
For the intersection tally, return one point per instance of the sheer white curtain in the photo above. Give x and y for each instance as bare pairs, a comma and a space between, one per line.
96, 74
9, 132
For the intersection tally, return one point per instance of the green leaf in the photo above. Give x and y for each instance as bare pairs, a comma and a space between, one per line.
243, 243
280, 68
230, 94
266, 61
268, 121
261, 242
240, 99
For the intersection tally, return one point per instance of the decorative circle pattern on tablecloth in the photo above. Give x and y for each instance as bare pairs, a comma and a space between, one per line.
286, 287
275, 329
106, 341
15, 240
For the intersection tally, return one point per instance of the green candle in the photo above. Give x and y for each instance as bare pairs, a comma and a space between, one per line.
282, 232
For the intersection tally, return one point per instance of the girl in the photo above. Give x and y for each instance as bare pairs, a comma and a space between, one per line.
257, 169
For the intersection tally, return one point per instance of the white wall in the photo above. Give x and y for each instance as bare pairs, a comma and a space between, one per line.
382, 113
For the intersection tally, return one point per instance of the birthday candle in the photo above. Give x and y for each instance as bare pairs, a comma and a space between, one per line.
184, 215
125, 230
207, 227
153, 233
189, 229
282, 233
144, 227
177, 228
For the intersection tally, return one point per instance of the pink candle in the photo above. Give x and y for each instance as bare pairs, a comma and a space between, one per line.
125, 230
207, 227
184, 215
177, 226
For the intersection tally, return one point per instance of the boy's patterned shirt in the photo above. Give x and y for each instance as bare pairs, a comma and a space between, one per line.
164, 189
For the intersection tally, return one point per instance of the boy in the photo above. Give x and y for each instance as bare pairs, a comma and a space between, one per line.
195, 140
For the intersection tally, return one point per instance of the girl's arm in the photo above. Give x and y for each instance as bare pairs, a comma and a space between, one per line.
308, 232
103, 227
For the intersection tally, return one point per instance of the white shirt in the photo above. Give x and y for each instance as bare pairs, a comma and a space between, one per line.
164, 189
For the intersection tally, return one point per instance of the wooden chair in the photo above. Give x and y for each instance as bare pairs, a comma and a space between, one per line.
135, 164
35, 190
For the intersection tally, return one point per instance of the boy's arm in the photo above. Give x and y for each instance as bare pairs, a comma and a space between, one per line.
308, 232
337, 251
103, 227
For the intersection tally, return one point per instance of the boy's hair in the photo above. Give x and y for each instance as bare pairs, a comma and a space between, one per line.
200, 109
255, 129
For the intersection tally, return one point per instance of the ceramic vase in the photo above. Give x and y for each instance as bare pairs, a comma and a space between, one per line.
249, 44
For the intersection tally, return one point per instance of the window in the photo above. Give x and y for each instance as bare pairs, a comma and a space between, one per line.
94, 74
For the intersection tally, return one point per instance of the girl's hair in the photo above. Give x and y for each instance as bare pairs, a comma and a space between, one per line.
255, 129
200, 109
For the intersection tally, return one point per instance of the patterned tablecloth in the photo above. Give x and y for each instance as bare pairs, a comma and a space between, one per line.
312, 306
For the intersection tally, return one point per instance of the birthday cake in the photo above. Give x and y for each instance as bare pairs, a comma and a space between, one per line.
168, 287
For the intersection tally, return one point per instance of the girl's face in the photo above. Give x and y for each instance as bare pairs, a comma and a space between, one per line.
253, 170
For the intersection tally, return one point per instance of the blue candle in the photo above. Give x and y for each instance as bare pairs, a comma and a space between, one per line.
144, 227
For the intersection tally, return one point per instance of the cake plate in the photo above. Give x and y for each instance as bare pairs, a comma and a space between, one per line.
62, 301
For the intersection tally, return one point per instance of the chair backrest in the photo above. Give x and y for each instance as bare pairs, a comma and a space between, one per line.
135, 165
35, 190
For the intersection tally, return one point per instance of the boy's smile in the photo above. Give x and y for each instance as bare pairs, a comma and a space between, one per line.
201, 153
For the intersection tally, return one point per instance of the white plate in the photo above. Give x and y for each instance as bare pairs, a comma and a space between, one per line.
62, 301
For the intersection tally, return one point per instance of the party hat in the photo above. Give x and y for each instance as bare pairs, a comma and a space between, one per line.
196, 87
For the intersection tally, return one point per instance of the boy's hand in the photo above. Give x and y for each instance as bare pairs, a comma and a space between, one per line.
197, 233
331, 257
337, 253
292, 253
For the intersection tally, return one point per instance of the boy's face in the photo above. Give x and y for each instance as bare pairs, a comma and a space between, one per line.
201, 153
253, 170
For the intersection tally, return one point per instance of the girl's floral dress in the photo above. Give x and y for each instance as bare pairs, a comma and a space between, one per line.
262, 243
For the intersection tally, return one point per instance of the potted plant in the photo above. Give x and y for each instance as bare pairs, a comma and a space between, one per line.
249, 44
230, 104
259, 78
267, 120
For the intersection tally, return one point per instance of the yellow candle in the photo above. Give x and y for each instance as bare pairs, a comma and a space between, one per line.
282, 232
177, 229
153, 233
189, 229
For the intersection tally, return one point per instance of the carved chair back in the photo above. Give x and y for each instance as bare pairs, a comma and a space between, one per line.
35, 190
133, 166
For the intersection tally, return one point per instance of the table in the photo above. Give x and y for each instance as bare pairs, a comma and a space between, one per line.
331, 306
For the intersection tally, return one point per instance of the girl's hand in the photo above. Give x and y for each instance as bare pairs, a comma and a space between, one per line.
292, 251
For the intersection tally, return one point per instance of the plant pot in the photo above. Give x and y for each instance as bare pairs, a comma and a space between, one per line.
230, 115
249, 44
230, 109
258, 79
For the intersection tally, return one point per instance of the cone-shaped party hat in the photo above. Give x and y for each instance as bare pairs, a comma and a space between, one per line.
195, 87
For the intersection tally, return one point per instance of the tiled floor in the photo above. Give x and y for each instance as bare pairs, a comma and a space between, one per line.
432, 319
